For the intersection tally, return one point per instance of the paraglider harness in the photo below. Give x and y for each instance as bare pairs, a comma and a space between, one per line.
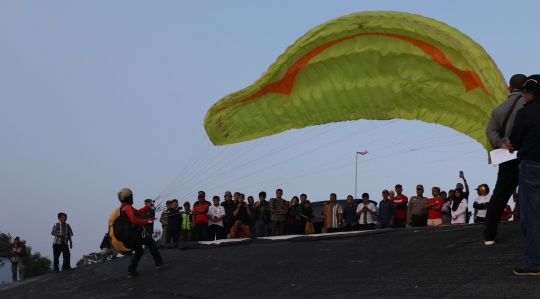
124, 236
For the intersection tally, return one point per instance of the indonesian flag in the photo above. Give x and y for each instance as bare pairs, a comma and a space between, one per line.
362, 153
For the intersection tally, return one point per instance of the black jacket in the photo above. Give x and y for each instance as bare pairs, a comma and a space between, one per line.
525, 136
175, 219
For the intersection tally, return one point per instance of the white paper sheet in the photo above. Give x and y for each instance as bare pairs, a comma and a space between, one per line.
502, 155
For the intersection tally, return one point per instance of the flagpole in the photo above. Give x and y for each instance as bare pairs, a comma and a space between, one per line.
356, 175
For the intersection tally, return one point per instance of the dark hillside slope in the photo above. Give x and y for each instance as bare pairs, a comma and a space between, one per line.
444, 262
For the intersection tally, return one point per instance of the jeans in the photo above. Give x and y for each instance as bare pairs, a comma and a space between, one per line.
64, 250
201, 231
261, 228
138, 252
529, 209
172, 234
275, 225
507, 180
14, 266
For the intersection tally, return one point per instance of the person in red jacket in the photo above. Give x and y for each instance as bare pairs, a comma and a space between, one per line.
134, 234
200, 217
239, 230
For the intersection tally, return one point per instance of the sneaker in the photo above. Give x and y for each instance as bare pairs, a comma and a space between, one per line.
133, 274
526, 271
489, 242
162, 264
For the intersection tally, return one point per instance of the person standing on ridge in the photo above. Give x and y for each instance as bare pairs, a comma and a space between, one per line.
229, 207
387, 211
174, 222
525, 138
278, 210
401, 202
365, 211
417, 214
498, 130
62, 235
164, 221
17, 252
200, 218
434, 206
134, 234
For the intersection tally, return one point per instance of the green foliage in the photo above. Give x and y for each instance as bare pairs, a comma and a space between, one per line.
88, 259
5, 241
35, 264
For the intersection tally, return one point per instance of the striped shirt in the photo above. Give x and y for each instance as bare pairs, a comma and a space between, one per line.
64, 230
331, 214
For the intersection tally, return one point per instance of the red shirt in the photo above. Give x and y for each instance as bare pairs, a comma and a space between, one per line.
202, 217
401, 212
243, 233
433, 213
132, 214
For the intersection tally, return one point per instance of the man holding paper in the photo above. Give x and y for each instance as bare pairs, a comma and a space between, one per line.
497, 131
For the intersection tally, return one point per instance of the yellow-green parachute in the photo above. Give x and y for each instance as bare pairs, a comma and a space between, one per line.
369, 65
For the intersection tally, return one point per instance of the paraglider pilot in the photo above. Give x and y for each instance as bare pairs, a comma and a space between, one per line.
134, 234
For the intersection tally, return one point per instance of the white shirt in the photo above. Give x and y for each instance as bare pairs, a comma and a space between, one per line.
366, 214
482, 199
215, 211
460, 213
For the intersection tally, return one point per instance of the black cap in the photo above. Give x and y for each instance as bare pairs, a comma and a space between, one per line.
533, 82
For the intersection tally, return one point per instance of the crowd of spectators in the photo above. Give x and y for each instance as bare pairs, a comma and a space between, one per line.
235, 218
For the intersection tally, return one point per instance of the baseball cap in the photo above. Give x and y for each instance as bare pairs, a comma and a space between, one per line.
420, 187
16, 238
228, 193
122, 194
533, 82
147, 200
399, 186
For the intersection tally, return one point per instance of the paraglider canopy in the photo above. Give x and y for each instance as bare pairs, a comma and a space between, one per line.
368, 65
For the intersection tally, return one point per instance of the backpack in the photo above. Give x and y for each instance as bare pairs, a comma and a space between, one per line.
117, 234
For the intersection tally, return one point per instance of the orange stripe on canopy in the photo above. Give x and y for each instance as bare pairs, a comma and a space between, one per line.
469, 78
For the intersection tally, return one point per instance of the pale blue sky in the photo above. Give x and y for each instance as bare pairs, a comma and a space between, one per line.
100, 95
